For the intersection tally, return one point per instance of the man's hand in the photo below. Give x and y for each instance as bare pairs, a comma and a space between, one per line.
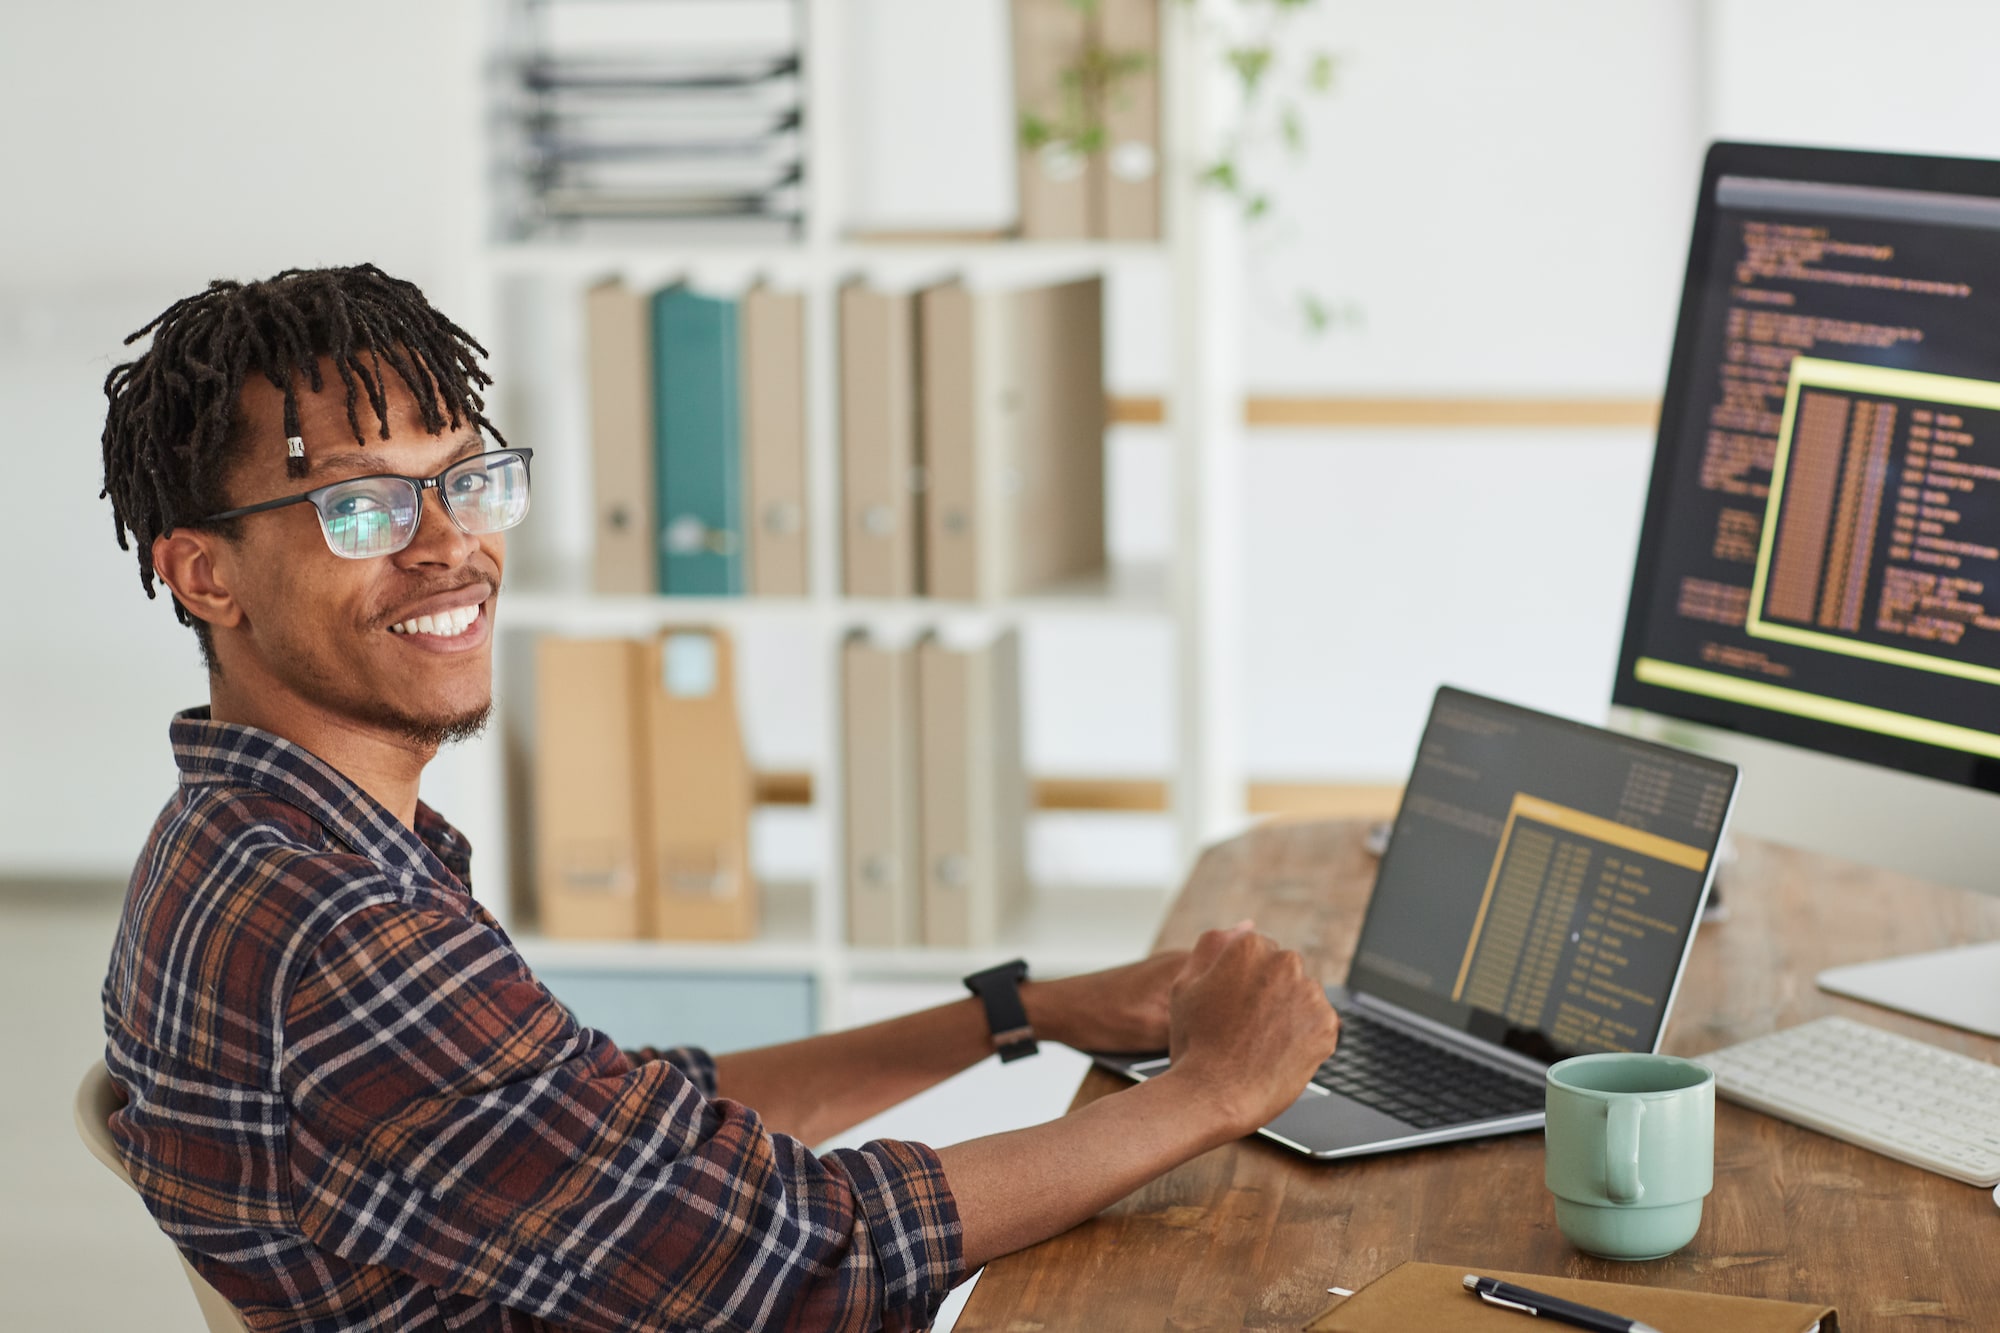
1121, 1009
1249, 1023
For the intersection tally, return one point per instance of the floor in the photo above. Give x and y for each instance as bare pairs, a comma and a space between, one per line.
78, 1254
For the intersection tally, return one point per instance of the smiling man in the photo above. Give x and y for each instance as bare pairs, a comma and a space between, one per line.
348, 1099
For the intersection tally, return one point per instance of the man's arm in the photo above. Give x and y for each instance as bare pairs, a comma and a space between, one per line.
449, 1120
1249, 1027
824, 1085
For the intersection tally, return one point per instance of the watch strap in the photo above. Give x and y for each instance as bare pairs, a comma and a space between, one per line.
999, 990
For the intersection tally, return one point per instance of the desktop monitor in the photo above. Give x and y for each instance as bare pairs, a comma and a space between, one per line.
1817, 591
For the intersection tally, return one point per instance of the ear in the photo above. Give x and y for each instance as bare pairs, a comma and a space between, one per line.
197, 566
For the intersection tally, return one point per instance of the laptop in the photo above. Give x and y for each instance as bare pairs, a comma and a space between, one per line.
1537, 900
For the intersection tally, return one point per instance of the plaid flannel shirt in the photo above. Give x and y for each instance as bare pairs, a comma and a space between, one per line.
352, 1106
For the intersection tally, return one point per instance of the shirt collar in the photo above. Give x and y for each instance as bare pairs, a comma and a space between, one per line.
209, 751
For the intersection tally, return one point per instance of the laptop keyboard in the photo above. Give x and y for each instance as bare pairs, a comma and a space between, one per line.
1420, 1083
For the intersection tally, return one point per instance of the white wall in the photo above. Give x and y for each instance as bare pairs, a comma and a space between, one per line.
1501, 189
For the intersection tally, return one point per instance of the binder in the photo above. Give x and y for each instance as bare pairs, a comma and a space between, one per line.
774, 440
1129, 183
697, 443
1433, 1297
879, 725
971, 400
698, 790
973, 792
1057, 189
1013, 429
879, 452
619, 338
589, 808
1056, 491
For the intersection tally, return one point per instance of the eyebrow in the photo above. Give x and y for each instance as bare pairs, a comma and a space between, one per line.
375, 463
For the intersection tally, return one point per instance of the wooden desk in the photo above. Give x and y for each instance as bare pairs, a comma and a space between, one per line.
1251, 1235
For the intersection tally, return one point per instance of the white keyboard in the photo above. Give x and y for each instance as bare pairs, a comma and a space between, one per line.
1905, 1099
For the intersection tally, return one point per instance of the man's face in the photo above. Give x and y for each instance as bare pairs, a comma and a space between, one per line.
346, 638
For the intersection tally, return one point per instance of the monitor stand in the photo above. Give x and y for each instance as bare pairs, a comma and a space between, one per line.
1958, 987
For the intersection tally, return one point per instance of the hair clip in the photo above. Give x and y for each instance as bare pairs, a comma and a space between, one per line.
295, 456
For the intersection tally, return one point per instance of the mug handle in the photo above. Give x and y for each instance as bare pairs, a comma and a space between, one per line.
1621, 1151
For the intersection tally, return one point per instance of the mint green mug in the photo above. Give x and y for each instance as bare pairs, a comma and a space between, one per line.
1630, 1148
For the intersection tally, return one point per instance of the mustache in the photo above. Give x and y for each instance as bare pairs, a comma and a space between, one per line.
423, 590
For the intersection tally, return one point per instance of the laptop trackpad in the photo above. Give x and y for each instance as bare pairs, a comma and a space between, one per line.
1320, 1124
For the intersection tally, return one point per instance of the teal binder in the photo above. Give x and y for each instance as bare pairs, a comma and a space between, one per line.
697, 437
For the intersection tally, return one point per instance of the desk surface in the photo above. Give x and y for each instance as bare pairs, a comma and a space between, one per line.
1252, 1235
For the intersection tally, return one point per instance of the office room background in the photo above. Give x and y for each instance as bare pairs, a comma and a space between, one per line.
1494, 200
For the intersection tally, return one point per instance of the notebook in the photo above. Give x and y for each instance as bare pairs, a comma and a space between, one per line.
1536, 900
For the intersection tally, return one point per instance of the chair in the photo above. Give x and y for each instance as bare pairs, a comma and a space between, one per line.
96, 1098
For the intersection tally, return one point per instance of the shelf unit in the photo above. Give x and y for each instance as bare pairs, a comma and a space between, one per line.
525, 304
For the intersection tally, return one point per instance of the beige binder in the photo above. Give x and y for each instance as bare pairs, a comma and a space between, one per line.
589, 808
879, 723
1013, 426
774, 439
618, 332
699, 790
1129, 183
879, 452
953, 393
1054, 496
1057, 189
974, 795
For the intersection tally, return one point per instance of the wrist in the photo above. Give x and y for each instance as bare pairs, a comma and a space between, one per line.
1210, 1103
1043, 1001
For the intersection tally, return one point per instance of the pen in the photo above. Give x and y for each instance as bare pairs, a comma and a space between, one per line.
1508, 1296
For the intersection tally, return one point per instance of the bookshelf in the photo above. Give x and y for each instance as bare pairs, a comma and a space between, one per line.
524, 299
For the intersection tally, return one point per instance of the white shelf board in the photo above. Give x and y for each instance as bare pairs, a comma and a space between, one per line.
585, 259
585, 613
785, 944
1126, 590
1065, 931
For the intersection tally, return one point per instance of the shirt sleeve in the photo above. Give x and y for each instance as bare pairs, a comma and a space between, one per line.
695, 1064
452, 1121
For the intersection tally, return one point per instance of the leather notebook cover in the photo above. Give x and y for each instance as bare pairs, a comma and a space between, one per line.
1433, 1297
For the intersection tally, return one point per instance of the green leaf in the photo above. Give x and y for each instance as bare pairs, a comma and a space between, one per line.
1319, 75
1222, 176
1315, 312
1292, 128
1251, 64
1256, 207
1035, 132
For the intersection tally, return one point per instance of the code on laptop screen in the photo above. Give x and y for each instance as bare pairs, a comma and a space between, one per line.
1543, 881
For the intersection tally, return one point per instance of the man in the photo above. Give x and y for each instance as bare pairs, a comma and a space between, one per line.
350, 1103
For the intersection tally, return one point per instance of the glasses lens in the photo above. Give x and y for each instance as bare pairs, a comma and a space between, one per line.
371, 516
488, 493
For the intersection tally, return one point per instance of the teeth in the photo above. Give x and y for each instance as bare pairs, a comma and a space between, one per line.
443, 625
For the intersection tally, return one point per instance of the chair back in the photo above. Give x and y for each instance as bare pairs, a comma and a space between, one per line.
96, 1098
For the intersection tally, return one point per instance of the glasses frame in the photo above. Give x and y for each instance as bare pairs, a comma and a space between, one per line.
419, 484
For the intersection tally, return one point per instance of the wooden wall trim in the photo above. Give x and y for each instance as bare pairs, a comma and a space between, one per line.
1434, 413
1149, 795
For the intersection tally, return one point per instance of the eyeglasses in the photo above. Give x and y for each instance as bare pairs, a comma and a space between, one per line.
364, 517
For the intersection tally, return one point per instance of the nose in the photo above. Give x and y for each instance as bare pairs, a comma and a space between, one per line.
439, 543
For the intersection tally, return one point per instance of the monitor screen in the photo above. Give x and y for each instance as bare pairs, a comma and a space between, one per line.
1820, 561
1543, 879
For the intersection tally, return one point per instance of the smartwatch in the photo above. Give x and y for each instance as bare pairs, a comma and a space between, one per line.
999, 989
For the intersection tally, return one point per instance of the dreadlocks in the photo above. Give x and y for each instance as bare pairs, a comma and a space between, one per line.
173, 429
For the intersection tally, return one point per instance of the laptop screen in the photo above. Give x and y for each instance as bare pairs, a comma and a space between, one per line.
1543, 880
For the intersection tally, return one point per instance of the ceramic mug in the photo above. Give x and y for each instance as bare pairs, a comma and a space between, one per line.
1630, 1148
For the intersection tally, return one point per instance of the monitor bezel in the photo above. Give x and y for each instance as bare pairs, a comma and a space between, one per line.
1898, 171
